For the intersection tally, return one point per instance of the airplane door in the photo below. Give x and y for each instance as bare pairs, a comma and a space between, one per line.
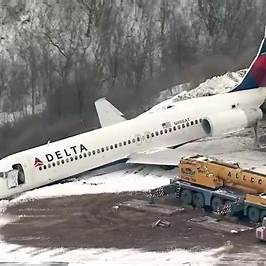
20, 173
16, 176
12, 178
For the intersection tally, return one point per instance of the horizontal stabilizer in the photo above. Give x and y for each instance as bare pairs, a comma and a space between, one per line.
107, 113
162, 157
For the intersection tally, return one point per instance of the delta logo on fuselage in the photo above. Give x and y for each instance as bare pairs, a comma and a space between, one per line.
71, 151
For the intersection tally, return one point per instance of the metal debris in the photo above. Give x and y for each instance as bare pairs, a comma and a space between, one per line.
143, 205
161, 223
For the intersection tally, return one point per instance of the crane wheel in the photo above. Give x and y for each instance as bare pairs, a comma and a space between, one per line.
216, 204
186, 197
198, 200
254, 214
262, 215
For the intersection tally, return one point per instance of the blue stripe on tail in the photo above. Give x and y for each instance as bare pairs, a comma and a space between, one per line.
256, 74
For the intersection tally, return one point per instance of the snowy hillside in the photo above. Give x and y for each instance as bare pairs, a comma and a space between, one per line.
215, 85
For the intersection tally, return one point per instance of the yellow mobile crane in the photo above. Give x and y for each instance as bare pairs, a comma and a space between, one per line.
220, 186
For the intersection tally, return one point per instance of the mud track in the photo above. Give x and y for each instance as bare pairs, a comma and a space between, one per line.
90, 221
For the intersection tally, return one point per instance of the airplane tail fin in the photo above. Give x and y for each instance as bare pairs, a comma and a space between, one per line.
107, 113
256, 74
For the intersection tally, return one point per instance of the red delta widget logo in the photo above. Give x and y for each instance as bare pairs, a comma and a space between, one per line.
37, 162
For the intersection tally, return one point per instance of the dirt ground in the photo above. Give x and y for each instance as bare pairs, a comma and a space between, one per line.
90, 221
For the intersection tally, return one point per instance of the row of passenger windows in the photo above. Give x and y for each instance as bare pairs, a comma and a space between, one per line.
120, 144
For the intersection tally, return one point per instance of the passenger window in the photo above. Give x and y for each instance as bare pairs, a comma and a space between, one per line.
129, 141
49, 165
200, 120
93, 152
53, 164
156, 133
120, 144
40, 168
62, 162
102, 149
85, 155
170, 130
125, 143
183, 125
165, 131
179, 127
192, 123
138, 139
67, 160
147, 136
161, 132
116, 146
133, 140
107, 148
58, 162
174, 128
76, 157
71, 159
98, 151
152, 135
44, 167
89, 153
188, 124
80, 156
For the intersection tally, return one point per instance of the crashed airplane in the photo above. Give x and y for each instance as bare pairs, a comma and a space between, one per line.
146, 139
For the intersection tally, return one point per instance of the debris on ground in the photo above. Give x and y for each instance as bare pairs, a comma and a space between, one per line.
161, 223
144, 205
219, 225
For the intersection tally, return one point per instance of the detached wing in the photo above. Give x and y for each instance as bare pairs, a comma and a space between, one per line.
107, 113
169, 157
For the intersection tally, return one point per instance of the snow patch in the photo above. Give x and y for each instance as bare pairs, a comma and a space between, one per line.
6, 219
215, 85
129, 179
16, 253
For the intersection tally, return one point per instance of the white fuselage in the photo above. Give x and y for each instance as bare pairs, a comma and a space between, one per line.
77, 154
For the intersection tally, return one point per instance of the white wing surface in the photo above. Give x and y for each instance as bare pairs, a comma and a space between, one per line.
169, 157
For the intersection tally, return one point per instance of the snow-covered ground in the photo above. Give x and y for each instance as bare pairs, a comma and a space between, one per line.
15, 253
214, 85
7, 117
135, 178
11, 253
129, 178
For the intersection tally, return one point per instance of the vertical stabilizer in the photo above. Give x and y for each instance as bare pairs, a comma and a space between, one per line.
256, 74
107, 113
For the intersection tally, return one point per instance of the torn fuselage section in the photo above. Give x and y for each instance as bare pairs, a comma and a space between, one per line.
13, 177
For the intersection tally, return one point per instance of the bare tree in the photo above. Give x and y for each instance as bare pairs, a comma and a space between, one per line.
3, 74
67, 37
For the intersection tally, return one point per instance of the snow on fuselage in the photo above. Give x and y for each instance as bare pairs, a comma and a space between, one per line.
71, 156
